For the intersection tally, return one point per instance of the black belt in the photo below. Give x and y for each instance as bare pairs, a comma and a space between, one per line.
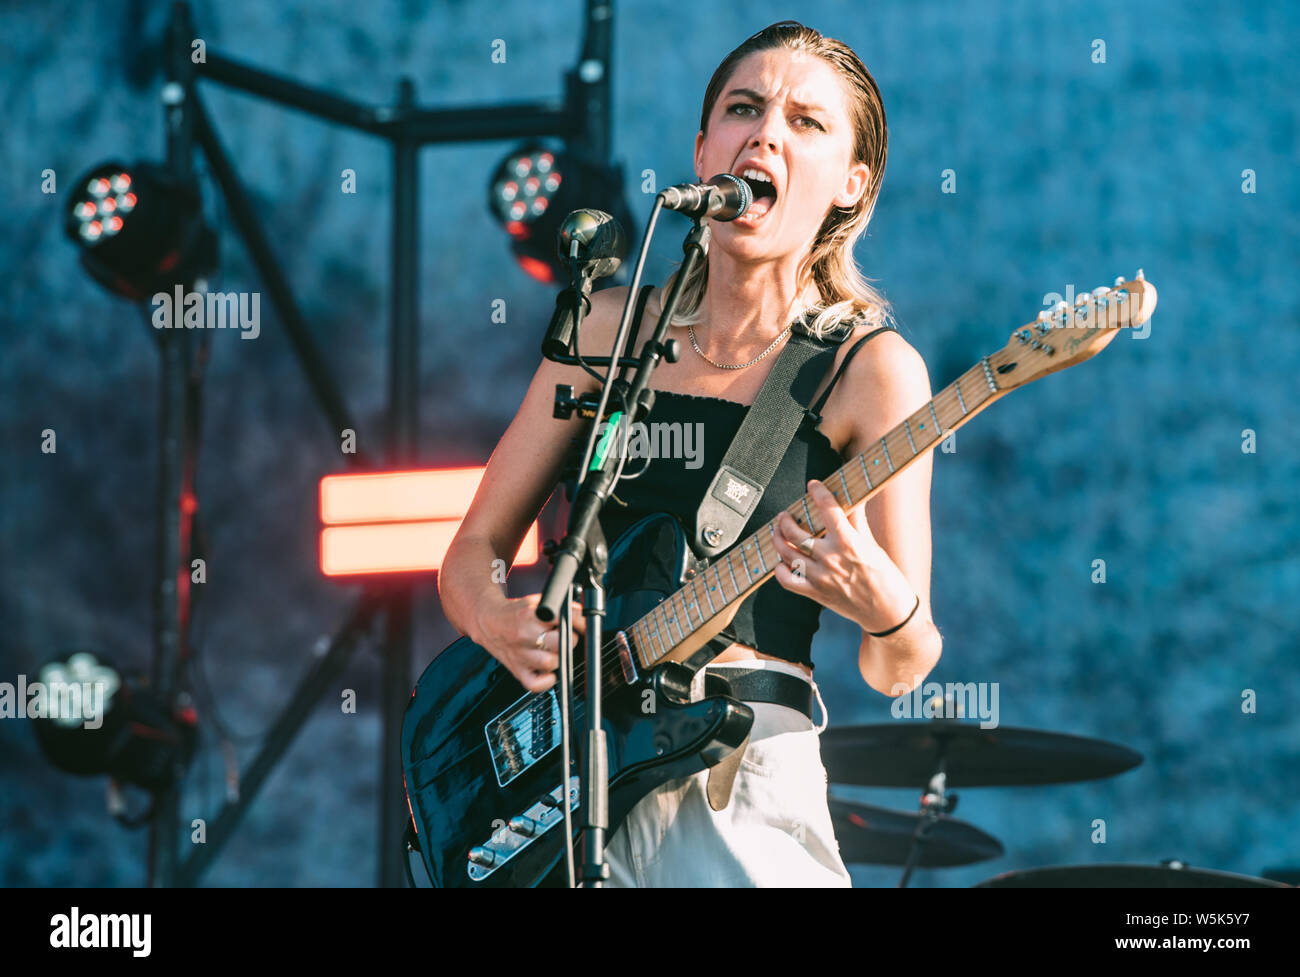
768, 685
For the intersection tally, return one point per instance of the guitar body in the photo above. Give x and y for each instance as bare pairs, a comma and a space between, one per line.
478, 750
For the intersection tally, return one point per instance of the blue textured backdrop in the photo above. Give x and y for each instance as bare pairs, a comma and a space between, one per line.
1069, 172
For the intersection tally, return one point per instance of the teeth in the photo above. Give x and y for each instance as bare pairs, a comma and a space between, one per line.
753, 174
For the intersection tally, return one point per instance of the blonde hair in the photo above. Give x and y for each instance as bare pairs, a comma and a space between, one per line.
845, 292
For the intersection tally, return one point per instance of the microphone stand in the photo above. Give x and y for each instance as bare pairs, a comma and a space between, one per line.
583, 553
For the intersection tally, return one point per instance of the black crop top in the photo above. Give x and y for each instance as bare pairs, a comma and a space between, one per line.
772, 620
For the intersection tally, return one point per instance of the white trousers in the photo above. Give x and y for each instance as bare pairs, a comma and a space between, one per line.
775, 831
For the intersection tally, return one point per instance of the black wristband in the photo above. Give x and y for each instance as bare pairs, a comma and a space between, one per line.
881, 634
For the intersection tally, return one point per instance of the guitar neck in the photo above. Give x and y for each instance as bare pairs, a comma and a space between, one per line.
682, 624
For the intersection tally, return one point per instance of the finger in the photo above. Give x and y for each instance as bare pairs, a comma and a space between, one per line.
537, 681
858, 519
579, 622
793, 576
540, 661
791, 535
833, 517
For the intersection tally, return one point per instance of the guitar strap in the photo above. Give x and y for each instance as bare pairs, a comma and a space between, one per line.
762, 441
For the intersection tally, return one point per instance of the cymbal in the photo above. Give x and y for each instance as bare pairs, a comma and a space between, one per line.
904, 754
873, 835
1172, 876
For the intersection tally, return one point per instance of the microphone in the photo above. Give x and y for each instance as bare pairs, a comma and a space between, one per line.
724, 198
591, 243
593, 240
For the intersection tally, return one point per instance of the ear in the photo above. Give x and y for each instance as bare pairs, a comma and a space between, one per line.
699, 154
854, 185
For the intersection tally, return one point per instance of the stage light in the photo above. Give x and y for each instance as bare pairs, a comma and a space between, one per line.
90, 719
532, 191
398, 522
140, 231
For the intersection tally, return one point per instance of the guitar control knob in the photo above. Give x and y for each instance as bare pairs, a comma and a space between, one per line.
522, 825
481, 856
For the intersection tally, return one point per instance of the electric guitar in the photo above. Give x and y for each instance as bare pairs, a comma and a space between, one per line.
480, 755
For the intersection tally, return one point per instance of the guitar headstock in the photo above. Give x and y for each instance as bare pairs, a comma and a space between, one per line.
1070, 334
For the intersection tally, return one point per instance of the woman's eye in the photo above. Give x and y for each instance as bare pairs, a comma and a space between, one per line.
811, 122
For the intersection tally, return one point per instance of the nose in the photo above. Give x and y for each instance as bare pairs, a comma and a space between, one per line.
769, 132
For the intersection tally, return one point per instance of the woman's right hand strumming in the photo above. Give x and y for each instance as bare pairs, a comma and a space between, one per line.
510, 632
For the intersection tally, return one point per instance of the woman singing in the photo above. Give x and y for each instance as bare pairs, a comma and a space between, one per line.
798, 116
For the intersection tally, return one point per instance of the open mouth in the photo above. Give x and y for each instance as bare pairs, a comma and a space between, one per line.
764, 195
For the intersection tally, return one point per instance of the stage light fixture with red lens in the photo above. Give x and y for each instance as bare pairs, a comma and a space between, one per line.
535, 188
140, 231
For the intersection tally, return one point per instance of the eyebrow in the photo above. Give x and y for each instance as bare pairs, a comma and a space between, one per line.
761, 100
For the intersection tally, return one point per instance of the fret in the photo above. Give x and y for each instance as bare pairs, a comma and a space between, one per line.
654, 633
732, 570
862, 460
762, 564
845, 485
938, 428
806, 514
670, 620
686, 609
712, 610
663, 648
643, 642
889, 461
721, 589
988, 374
745, 563
956, 385
908, 431
695, 599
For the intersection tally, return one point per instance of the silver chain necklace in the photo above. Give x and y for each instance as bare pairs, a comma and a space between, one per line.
739, 366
